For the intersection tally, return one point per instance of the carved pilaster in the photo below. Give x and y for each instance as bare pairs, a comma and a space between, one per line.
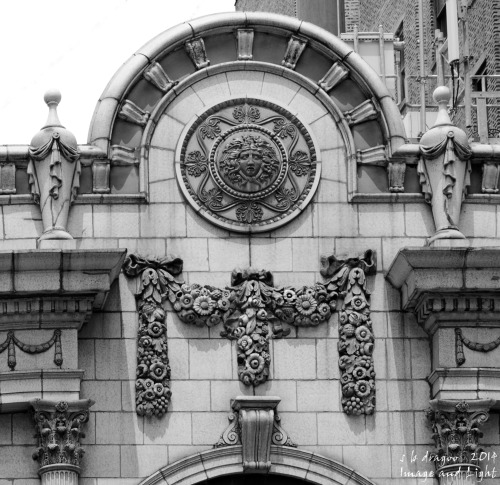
196, 50
296, 46
245, 44
363, 112
256, 426
132, 113
158, 77
335, 75
456, 432
59, 428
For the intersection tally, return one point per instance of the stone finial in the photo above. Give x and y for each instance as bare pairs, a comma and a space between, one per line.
52, 98
444, 169
442, 96
54, 171
59, 428
456, 432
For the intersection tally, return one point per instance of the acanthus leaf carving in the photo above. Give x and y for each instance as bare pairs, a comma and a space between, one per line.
456, 430
59, 429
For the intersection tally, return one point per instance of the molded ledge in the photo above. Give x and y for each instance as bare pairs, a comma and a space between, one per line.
473, 383
56, 271
48, 295
18, 388
434, 271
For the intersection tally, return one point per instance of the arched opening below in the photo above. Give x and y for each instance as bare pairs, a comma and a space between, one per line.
256, 479
224, 466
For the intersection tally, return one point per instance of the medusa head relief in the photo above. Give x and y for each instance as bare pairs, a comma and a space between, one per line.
247, 165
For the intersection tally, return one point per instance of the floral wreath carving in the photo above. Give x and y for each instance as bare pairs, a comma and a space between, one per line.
248, 165
253, 311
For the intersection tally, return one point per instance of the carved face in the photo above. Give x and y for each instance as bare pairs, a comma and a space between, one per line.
249, 162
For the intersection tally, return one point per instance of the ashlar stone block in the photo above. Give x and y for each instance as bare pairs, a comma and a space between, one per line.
210, 359
295, 358
119, 428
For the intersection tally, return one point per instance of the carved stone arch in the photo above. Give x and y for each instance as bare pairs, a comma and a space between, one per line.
286, 462
179, 59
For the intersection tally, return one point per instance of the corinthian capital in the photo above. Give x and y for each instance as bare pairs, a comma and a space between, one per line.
59, 428
456, 432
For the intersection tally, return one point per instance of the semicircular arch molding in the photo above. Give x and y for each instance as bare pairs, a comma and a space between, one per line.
297, 51
286, 462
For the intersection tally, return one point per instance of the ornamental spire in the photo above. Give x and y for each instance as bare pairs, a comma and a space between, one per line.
54, 171
444, 170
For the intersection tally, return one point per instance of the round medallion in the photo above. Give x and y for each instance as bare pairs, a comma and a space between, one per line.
247, 165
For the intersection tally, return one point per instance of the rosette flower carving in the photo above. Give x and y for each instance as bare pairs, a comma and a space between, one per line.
153, 371
253, 311
348, 281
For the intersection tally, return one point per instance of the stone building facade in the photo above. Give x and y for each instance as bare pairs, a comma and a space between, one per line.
248, 274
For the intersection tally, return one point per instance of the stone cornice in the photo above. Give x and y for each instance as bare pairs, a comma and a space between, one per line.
56, 271
48, 294
444, 271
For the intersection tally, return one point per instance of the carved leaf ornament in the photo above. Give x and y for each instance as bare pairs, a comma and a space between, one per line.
456, 434
248, 165
253, 311
58, 432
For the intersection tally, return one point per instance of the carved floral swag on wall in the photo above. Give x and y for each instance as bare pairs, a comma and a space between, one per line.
252, 311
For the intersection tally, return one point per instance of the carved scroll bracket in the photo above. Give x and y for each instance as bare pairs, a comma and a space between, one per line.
256, 426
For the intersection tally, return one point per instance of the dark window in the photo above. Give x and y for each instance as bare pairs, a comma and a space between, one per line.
440, 14
480, 83
401, 67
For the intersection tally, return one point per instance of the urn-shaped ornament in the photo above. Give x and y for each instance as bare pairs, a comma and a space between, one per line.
444, 169
54, 171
